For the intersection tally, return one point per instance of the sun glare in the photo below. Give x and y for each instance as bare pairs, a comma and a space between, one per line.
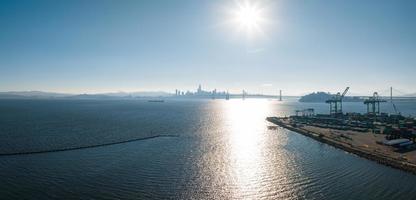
249, 17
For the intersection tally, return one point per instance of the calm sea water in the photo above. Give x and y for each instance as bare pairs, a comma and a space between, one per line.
224, 151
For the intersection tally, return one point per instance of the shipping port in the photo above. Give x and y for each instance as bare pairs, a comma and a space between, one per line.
387, 138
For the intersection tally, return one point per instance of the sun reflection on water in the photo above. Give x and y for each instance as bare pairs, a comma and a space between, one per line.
246, 124
247, 160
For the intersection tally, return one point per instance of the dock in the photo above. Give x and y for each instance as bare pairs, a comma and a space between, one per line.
362, 142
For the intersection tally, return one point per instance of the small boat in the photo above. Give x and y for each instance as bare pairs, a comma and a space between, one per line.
156, 101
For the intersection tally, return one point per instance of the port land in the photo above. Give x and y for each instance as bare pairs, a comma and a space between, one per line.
362, 142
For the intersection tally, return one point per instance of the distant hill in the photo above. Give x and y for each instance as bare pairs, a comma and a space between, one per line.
91, 96
32, 94
410, 95
323, 96
139, 94
316, 97
49, 95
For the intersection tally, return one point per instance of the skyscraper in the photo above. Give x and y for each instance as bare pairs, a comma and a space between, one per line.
199, 89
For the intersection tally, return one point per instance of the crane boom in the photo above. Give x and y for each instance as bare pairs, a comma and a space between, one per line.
345, 92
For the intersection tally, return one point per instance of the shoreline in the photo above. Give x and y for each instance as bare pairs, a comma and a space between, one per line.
373, 156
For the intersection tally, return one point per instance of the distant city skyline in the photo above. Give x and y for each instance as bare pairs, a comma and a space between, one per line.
259, 46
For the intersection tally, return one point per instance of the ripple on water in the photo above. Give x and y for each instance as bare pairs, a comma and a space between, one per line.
224, 151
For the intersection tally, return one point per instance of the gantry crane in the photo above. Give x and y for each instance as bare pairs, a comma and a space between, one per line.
373, 104
335, 103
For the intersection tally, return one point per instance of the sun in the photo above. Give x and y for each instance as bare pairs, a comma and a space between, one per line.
249, 17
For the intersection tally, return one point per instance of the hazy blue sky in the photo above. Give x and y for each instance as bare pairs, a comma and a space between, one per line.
100, 46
